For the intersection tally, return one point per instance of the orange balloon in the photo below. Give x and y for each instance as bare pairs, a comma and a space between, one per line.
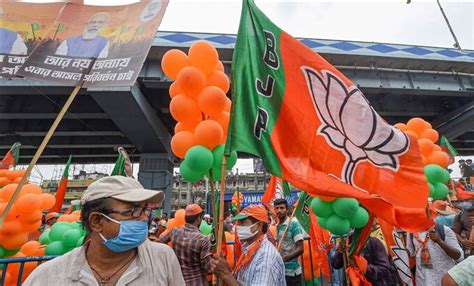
423, 158
219, 79
426, 146
438, 158
174, 89
29, 227
228, 105
30, 218
401, 126
4, 181
173, 62
28, 203
170, 224
20, 173
430, 134
76, 213
437, 148
223, 120
326, 198
40, 251
11, 227
30, 248
179, 217
14, 241
12, 214
69, 218
47, 201
11, 174
417, 125
7, 191
191, 81
17, 180
209, 133
186, 126
31, 189
220, 66
181, 142
203, 56
183, 108
212, 101
412, 133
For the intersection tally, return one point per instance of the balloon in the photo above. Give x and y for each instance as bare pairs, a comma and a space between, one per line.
184, 108
345, 207
9, 252
220, 66
426, 146
360, 219
32, 189
188, 174
205, 228
181, 142
322, 222
174, 89
212, 100
232, 160
441, 191
220, 80
28, 203
218, 154
223, 120
228, 105
7, 191
401, 126
14, 241
199, 159
170, 224
430, 134
47, 201
11, 227
326, 198
436, 174
187, 125
80, 241
432, 189
30, 248
57, 231
4, 181
321, 208
173, 62
191, 81
31, 226
203, 56
71, 237
12, 214
55, 248
417, 125
216, 173
32, 217
439, 158
411, 133
437, 148
338, 225
209, 133
44, 237
179, 217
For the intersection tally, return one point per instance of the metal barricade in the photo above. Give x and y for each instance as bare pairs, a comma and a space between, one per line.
5, 262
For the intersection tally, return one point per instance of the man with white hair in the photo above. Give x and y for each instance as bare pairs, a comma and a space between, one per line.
89, 44
11, 42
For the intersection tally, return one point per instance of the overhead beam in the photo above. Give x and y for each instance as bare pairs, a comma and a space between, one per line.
63, 133
459, 125
66, 146
54, 115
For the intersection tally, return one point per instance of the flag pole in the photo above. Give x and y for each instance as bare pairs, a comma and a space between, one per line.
221, 206
39, 152
286, 229
215, 222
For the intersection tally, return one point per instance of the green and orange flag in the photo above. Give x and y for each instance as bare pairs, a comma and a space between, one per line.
62, 189
12, 156
315, 129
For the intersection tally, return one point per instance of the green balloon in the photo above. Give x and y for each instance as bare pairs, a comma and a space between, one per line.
205, 228
55, 248
2, 252
232, 160
338, 225
360, 219
188, 174
323, 222
441, 191
57, 231
436, 174
321, 208
44, 237
71, 237
216, 174
432, 189
345, 207
199, 159
234, 209
7, 252
80, 241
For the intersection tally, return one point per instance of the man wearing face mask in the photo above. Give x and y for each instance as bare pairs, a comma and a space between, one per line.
260, 263
114, 213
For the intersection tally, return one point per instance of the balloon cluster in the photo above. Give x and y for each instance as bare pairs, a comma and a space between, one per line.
75, 216
200, 106
427, 137
437, 178
10, 176
31, 248
340, 214
24, 216
62, 237
236, 202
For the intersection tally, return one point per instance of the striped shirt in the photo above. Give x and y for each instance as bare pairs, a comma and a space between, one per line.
266, 268
193, 251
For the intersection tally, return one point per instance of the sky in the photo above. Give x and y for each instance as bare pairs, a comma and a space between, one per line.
385, 21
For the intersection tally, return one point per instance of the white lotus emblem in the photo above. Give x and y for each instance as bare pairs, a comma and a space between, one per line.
351, 125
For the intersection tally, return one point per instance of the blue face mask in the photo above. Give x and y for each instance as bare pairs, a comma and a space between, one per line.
132, 233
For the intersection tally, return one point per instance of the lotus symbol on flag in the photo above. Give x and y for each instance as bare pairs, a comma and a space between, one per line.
351, 125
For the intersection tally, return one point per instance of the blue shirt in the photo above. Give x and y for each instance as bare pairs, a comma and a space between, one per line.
78, 47
7, 39
266, 268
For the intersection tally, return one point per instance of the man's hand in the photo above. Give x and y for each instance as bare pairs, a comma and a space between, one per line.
434, 236
467, 243
219, 266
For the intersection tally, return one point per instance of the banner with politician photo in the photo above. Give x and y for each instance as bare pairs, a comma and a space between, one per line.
22, 27
96, 45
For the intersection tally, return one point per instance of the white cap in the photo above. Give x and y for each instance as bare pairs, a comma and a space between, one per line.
121, 188
207, 216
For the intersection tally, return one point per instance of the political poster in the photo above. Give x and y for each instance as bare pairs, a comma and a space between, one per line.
96, 45
22, 28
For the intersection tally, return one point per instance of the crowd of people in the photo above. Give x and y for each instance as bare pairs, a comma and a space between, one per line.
122, 248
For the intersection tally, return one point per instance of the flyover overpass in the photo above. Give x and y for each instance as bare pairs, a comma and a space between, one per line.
400, 81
